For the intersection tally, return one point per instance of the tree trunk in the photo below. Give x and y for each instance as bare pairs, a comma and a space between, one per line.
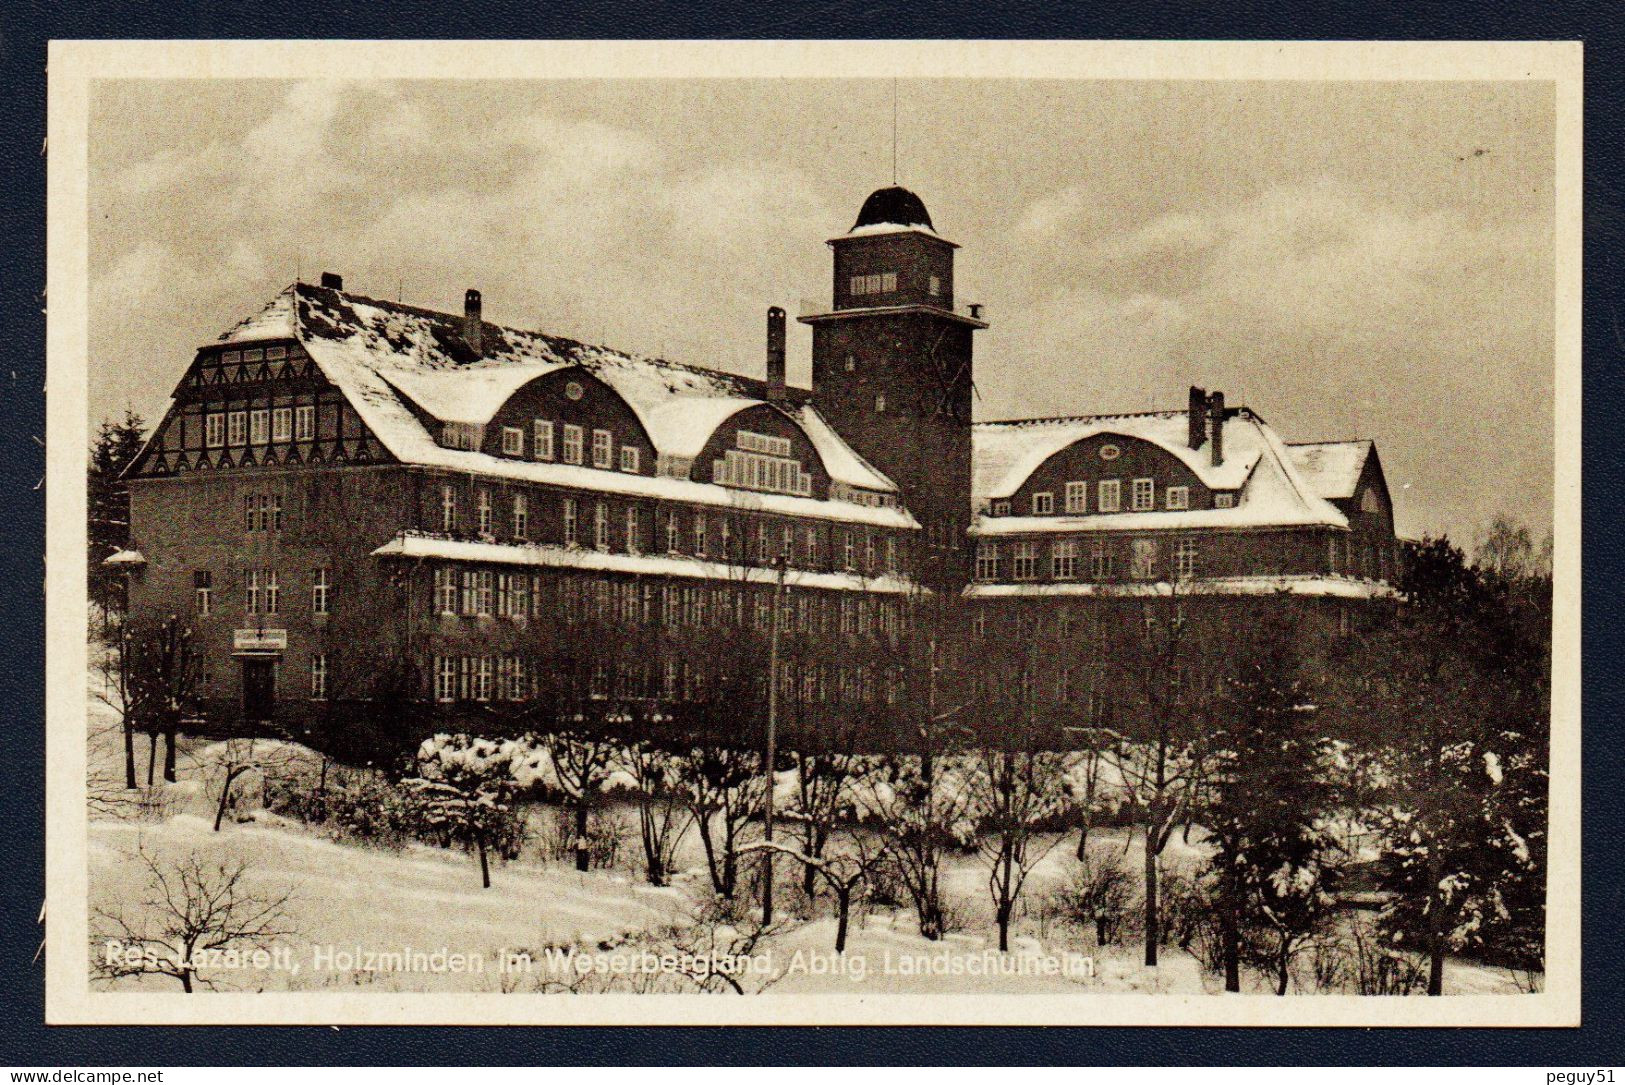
169, 754
843, 902
485, 863
582, 856
1232, 947
1152, 936
1100, 931
1004, 927
129, 755
1284, 974
186, 980
704, 824
152, 755
225, 796
1083, 842
1436, 969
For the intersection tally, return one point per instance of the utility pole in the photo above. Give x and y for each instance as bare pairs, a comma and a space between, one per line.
772, 738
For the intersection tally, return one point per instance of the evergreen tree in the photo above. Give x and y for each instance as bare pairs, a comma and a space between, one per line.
108, 505
1271, 868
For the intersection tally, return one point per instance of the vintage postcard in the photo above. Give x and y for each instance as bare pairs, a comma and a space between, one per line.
824, 532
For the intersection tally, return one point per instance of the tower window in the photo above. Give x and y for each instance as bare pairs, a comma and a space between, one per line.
883, 283
936, 286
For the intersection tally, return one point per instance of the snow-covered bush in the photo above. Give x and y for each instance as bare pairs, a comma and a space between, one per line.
464, 788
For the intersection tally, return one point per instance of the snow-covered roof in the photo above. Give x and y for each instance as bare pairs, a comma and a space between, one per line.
125, 557
1257, 464
1334, 587
414, 545
876, 228
1331, 468
384, 355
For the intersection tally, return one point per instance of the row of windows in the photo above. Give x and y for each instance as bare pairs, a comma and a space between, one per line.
513, 678
262, 426
1066, 558
571, 447
267, 354
1109, 498
699, 535
262, 591
489, 593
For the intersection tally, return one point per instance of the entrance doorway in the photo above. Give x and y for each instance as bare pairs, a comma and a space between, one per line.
259, 688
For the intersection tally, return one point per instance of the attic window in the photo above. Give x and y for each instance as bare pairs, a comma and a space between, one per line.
1110, 452
573, 390
1370, 502
1224, 501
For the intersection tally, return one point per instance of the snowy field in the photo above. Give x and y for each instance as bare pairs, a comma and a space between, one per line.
341, 897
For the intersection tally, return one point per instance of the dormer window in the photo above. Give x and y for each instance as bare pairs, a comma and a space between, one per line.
1178, 497
572, 443
1043, 504
1001, 508
1144, 494
513, 441
1224, 501
762, 462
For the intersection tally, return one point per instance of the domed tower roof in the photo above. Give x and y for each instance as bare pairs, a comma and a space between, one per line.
894, 206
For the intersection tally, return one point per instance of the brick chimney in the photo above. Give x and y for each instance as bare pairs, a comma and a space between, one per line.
473, 327
1197, 411
1215, 419
332, 281
775, 354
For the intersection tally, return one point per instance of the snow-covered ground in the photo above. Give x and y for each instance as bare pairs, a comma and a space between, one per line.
343, 897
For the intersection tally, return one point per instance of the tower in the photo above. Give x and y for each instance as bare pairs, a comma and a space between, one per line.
892, 369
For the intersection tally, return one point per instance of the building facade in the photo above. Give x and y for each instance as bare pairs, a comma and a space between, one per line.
353, 501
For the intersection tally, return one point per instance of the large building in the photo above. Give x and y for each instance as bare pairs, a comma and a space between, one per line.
349, 494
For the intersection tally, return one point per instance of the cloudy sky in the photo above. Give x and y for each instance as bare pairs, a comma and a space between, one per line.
1349, 259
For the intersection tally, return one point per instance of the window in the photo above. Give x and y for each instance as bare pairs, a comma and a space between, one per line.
1064, 559
1224, 501
809, 547
572, 443
518, 595
542, 439
1185, 558
868, 551
1102, 563
1178, 497
1144, 566
883, 283
978, 625
272, 505
304, 423
237, 428
318, 677
1077, 497
445, 590
880, 404
259, 427
1001, 508
483, 503
1109, 495
513, 441
673, 533
482, 678
214, 430
273, 596
252, 582
275, 353
255, 355
629, 459
203, 589
569, 521
762, 462
521, 516
764, 549
603, 448
891, 554
849, 551
987, 561
445, 678
1024, 562
634, 540
484, 582
935, 287
282, 424
1043, 504
600, 526
1144, 494
318, 591
699, 535
448, 508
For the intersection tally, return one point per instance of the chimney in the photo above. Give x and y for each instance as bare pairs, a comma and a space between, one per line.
473, 328
1197, 412
775, 354
1215, 417
332, 281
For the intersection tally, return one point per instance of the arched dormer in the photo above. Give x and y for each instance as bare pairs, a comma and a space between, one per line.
761, 448
1072, 479
570, 416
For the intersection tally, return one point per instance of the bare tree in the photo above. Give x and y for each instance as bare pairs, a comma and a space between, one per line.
582, 763
1020, 791
843, 871
193, 911
663, 819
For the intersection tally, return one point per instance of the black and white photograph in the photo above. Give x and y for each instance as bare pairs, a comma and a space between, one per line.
751, 533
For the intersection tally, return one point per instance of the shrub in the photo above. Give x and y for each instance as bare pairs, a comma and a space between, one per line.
605, 833
1098, 894
350, 806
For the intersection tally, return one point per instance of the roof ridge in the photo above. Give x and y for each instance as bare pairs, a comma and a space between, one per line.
418, 310
1165, 413
1339, 441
